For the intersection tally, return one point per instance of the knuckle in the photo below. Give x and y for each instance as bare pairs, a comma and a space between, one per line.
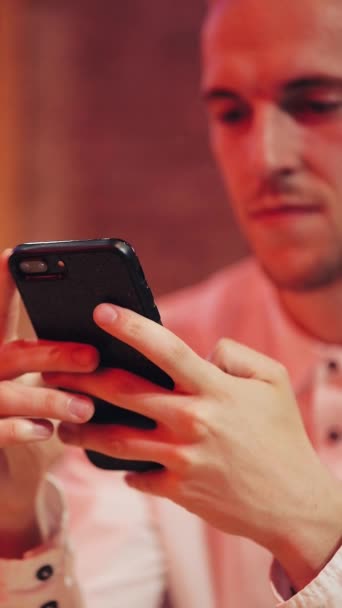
195, 421
176, 352
21, 344
111, 439
223, 344
56, 353
220, 350
120, 378
115, 447
183, 460
133, 327
280, 372
200, 428
11, 431
51, 403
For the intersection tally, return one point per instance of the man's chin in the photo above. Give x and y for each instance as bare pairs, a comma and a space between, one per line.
304, 280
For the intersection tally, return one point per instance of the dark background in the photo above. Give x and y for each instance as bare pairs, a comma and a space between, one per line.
113, 134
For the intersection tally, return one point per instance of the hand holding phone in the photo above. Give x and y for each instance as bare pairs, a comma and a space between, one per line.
61, 283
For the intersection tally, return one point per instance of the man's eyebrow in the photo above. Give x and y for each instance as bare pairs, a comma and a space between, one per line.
313, 82
218, 93
221, 93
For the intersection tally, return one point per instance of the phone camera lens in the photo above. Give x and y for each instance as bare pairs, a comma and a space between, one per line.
33, 266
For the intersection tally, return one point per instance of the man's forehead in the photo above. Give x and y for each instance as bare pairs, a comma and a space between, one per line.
253, 19
272, 4
273, 35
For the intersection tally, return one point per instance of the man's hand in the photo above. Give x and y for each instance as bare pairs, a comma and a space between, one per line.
25, 413
230, 437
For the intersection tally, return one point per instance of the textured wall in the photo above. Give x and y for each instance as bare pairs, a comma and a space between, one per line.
10, 216
115, 134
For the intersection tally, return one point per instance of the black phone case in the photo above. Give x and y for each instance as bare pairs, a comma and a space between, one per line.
60, 305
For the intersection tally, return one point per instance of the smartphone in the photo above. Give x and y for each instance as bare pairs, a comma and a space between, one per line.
61, 282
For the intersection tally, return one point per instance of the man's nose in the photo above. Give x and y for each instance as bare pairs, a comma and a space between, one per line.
273, 143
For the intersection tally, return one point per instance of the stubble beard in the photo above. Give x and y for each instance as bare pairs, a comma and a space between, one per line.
320, 275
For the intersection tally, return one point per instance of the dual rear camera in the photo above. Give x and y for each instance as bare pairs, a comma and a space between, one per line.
39, 267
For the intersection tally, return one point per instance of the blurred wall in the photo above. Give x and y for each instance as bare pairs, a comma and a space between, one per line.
114, 141
10, 216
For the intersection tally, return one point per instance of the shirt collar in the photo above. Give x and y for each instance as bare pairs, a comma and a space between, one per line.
297, 350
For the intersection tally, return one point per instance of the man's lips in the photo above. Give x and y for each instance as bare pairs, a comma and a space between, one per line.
284, 210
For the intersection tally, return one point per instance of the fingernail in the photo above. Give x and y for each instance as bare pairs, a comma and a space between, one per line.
85, 357
81, 409
106, 314
29, 429
68, 433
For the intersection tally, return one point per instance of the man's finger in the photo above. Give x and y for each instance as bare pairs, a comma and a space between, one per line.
162, 347
25, 356
238, 360
124, 443
8, 302
24, 430
126, 390
19, 400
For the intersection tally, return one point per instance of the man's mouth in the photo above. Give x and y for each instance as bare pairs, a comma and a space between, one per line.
284, 210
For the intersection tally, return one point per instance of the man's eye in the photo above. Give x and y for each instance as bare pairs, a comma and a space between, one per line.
314, 107
232, 116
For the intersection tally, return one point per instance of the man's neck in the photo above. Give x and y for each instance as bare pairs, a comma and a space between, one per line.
318, 313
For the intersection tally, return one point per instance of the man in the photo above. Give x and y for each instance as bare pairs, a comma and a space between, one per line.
272, 79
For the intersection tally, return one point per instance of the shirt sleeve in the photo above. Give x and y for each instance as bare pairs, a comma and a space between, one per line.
44, 577
96, 531
324, 590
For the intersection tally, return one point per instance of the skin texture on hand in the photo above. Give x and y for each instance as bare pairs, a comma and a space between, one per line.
230, 437
26, 408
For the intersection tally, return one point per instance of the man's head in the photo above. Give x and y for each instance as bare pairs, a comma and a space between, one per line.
272, 76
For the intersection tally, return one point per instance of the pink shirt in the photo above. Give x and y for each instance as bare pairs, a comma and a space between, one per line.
129, 550
241, 304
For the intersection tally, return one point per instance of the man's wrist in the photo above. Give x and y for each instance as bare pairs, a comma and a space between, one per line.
309, 543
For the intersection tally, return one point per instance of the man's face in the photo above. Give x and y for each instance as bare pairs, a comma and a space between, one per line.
272, 78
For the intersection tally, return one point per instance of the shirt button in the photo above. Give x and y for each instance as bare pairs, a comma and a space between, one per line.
50, 605
44, 572
334, 436
332, 365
